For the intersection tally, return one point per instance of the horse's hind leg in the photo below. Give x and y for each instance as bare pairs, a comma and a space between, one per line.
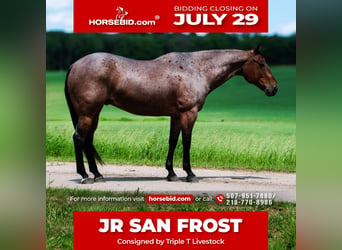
173, 139
187, 120
82, 129
90, 152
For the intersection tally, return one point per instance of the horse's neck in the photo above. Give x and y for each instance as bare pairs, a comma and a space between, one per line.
221, 65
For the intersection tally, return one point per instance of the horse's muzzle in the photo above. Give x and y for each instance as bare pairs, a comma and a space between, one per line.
271, 91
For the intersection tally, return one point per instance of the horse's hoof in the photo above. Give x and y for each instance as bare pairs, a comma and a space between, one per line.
99, 179
172, 178
191, 178
87, 181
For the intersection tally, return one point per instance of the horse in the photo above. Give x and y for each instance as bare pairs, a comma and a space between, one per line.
175, 84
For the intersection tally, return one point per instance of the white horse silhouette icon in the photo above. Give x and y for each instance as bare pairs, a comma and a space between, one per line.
121, 13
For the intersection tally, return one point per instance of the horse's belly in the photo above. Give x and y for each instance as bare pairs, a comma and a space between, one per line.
144, 105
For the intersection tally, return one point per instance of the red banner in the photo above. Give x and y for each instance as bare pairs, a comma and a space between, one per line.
171, 16
184, 230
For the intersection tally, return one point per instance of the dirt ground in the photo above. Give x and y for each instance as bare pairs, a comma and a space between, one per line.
119, 178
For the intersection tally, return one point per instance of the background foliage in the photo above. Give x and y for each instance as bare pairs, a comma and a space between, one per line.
62, 49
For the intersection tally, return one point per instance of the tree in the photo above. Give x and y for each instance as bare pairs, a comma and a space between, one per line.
62, 49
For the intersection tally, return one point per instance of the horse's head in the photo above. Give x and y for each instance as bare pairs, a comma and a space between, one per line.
120, 10
257, 72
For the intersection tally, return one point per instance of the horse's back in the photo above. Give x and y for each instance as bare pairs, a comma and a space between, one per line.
162, 86
132, 85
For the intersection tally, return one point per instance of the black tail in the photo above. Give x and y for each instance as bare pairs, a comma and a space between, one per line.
74, 117
96, 154
73, 113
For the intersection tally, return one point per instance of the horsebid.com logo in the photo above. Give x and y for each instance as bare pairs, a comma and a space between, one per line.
120, 19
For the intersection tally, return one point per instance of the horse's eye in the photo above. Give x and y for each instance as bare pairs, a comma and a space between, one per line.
262, 65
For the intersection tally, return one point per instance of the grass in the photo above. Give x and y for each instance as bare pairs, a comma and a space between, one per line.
59, 215
220, 144
239, 127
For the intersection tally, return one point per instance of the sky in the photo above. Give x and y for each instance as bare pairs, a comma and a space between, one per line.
282, 16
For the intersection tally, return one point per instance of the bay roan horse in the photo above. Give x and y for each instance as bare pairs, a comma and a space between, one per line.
175, 85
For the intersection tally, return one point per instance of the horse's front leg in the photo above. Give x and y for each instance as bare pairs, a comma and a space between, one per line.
188, 119
173, 139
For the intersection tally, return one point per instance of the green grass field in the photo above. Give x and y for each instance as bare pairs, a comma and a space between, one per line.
239, 127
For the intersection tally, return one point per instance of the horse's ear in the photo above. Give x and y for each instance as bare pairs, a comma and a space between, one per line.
257, 50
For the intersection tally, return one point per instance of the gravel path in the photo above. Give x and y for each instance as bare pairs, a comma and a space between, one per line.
147, 179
